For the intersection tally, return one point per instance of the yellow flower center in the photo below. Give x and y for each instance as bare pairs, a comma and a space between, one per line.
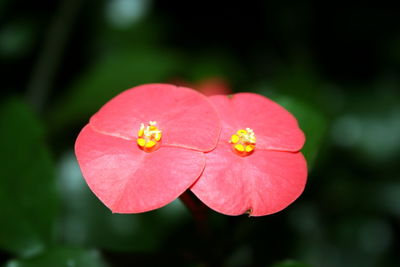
243, 142
149, 136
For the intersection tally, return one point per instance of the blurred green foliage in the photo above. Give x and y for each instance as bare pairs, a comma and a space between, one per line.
335, 68
109, 76
63, 257
290, 263
28, 199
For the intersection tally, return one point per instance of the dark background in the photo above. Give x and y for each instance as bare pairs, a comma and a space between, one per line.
334, 65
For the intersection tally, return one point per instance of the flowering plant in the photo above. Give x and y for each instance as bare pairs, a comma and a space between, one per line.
148, 145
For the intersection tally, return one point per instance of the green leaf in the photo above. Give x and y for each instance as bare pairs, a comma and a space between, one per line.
60, 257
28, 202
290, 263
111, 75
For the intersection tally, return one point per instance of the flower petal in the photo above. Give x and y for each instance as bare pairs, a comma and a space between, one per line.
128, 180
262, 183
185, 116
275, 128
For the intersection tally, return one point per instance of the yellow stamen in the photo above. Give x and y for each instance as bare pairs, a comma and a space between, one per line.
141, 142
150, 144
149, 136
241, 132
140, 132
249, 148
234, 139
239, 147
243, 142
157, 136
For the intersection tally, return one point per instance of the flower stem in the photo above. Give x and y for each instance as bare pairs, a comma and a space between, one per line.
199, 212
209, 252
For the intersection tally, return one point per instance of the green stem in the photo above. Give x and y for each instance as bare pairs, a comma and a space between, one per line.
44, 70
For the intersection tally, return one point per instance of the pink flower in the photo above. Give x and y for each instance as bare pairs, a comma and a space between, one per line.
256, 166
145, 147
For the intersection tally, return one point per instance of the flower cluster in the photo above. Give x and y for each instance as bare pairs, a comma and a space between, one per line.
148, 145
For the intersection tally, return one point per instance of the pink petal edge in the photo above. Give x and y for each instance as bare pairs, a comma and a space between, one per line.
274, 127
185, 116
128, 180
261, 184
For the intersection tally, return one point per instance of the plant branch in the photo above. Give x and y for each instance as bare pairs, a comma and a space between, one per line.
48, 62
199, 212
